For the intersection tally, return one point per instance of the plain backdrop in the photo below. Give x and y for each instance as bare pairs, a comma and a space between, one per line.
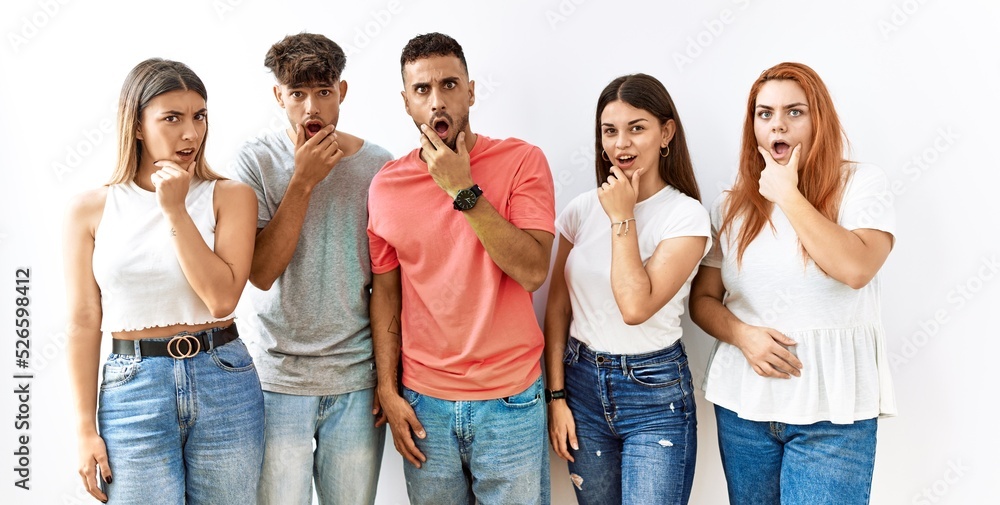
914, 81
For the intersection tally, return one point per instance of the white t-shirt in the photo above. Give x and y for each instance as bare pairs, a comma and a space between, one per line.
838, 330
597, 320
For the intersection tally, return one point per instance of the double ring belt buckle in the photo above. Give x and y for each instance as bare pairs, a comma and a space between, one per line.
183, 346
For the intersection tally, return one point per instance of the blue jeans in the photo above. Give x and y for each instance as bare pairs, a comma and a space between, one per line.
635, 424
791, 464
490, 452
330, 439
183, 430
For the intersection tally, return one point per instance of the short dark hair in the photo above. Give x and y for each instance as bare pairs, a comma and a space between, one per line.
432, 44
305, 58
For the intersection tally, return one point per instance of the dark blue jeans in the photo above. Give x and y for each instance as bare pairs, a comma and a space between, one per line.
635, 424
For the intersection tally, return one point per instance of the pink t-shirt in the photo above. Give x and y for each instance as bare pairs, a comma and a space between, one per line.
469, 330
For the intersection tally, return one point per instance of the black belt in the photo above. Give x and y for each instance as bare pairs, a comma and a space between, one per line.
180, 346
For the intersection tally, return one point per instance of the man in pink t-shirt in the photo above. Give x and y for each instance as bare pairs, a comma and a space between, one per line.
460, 231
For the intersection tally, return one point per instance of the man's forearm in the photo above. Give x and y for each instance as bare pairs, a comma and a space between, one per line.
521, 254
387, 335
276, 242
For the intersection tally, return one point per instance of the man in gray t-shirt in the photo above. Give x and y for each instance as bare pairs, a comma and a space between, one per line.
311, 274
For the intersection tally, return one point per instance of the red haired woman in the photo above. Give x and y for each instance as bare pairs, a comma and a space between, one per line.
791, 291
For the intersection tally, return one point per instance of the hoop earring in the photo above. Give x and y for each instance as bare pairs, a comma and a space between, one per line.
604, 155
665, 154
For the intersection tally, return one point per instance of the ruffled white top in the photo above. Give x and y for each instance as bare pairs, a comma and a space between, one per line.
838, 330
135, 263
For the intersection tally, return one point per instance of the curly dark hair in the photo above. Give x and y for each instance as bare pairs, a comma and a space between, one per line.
431, 44
305, 58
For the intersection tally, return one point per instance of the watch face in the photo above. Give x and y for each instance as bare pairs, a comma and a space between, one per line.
465, 199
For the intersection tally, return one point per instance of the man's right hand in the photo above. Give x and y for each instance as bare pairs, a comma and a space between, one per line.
314, 158
403, 421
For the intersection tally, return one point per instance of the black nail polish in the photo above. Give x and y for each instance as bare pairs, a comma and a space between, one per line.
108, 479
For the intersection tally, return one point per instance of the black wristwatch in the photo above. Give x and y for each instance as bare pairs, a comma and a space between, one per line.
554, 395
467, 198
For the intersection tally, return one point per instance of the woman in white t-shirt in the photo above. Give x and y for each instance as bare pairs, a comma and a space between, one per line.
790, 290
622, 409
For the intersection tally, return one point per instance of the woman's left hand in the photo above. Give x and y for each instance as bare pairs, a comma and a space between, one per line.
778, 182
619, 193
171, 183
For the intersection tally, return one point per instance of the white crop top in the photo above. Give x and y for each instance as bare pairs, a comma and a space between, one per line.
135, 263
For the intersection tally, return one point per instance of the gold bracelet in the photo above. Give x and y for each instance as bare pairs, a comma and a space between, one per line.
619, 224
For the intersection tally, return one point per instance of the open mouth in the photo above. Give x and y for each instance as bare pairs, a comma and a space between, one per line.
625, 160
780, 148
313, 127
441, 127
186, 153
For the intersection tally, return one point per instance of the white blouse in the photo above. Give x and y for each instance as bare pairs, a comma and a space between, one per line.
838, 330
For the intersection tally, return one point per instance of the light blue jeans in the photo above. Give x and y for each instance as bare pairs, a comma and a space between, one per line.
183, 431
490, 452
331, 440
770, 463
635, 424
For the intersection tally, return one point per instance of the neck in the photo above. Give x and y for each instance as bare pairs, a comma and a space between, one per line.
142, 175
649, 186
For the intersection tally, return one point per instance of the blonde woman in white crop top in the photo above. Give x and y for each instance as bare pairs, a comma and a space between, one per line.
158, 258
790, 290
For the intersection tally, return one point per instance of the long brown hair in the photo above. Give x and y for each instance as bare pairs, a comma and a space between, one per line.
647, 93
821, 179
149, 79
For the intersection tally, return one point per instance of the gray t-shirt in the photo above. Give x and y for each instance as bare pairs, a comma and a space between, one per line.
309, 334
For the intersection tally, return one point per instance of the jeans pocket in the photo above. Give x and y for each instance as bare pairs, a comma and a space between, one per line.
118, 370
412, 397
527, 398
658, 375
232, 357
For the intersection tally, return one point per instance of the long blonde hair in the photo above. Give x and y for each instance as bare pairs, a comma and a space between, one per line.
145, 82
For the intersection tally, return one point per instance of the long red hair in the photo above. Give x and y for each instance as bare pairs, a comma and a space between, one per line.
821, 179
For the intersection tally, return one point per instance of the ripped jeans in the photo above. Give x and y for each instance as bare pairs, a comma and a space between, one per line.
635, 424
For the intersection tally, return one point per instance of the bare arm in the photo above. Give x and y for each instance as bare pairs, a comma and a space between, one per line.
640, 291
276, 242
558, 314
764, 348
521, 254
386, 312
849, 256
84, 332
217, 276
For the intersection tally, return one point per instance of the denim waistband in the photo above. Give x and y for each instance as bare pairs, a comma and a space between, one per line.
580, 351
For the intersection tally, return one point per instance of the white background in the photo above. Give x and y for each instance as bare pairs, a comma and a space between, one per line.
915, 84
